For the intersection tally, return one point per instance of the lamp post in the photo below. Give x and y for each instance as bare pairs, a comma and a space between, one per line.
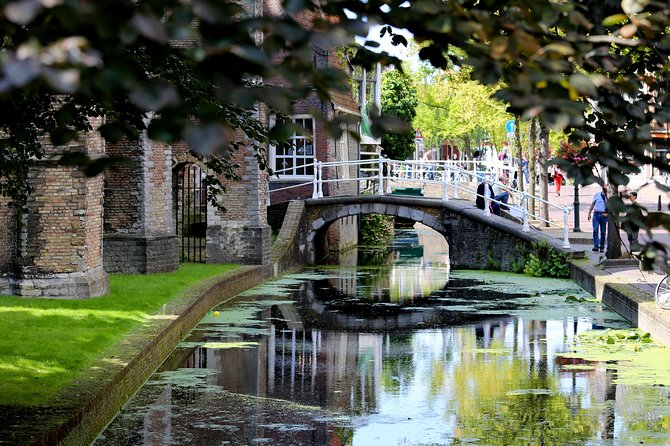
575, 203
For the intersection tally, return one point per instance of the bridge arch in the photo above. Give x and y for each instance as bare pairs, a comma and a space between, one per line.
321, 217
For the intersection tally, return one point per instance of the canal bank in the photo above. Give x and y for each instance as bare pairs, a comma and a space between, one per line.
85, 407
628, 290
90, 405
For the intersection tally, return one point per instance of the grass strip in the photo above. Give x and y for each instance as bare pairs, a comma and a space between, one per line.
46, 343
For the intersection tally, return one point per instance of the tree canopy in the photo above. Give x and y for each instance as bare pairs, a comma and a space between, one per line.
453, 106
399, 101
595, 69
193, 71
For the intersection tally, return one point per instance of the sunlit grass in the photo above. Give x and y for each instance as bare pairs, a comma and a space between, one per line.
46, 343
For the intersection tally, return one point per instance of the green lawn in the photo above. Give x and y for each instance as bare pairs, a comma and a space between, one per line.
46, 343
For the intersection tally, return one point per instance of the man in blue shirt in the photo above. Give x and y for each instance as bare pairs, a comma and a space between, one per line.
599, 210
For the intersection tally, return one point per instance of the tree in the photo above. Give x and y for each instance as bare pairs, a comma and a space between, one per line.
398, 101
191, 71
590, 68
596, 70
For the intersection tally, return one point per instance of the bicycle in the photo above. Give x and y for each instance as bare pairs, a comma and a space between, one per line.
662, 293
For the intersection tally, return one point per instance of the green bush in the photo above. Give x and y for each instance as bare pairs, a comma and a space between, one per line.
376, 230
545, 261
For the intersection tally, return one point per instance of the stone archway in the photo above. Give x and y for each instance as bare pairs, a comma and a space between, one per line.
319, 222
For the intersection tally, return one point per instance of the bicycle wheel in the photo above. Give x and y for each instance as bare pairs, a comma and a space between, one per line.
663, 293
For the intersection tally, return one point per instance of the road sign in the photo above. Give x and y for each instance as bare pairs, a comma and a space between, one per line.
510, 126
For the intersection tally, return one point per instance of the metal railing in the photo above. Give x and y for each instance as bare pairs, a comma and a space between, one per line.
453, 176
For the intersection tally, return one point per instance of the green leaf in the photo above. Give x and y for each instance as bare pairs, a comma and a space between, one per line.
615, 19
154, 96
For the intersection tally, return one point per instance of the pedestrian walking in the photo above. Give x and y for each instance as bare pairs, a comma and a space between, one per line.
632, 230
524, 169
558, 180
599, 210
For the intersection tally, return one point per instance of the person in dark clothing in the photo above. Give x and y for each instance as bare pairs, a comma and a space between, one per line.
632, 229
479, 201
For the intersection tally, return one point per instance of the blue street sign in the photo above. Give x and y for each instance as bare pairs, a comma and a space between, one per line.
510, 126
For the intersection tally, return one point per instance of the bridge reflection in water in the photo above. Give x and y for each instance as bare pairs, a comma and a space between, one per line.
332, 357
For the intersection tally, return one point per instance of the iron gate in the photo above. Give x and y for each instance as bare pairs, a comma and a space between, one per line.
191, 212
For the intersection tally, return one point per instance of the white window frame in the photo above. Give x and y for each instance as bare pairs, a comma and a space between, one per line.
298, 142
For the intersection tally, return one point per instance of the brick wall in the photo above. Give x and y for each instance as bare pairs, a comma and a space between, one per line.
62, 223
123, 198
241, 234
140, 234
7, 237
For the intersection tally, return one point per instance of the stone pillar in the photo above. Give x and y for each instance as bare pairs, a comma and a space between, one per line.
57, 251
140, 235
241, 234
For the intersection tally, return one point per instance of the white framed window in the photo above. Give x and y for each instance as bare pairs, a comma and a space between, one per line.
297, 158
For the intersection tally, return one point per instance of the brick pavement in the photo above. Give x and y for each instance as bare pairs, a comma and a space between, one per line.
622, 270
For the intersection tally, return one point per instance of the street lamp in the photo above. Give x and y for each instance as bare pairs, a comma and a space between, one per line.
575, 203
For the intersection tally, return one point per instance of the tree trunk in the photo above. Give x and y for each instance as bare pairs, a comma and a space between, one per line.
532, 164
467, 148
613, 239
544, 178
519, 156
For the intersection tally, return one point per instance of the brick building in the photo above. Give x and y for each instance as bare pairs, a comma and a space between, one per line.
295, 166
148, 217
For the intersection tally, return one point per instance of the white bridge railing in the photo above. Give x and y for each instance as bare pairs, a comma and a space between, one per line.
450, 180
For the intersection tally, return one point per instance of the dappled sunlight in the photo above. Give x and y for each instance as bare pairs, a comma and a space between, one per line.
79, 314
15, 365
163, 317
58, 339
111, 361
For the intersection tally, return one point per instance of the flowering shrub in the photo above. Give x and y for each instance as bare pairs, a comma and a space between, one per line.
576, 156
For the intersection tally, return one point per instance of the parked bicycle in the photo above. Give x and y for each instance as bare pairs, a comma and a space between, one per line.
662, 293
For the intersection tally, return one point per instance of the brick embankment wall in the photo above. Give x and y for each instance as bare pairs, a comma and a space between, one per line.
111, 383
289, 251
632, 303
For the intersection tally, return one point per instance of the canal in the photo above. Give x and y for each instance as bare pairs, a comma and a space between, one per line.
390, 347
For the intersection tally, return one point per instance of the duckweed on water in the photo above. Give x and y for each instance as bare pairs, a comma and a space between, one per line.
285, 285
520, 392
227, 345
185, 377
518, 283
246, 315
635, 357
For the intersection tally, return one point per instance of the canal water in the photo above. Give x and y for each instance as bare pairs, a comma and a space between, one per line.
389, 347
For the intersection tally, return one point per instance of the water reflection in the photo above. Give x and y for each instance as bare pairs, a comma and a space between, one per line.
330, 358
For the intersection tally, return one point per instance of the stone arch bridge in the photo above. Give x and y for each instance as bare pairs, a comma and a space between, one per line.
476, 241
